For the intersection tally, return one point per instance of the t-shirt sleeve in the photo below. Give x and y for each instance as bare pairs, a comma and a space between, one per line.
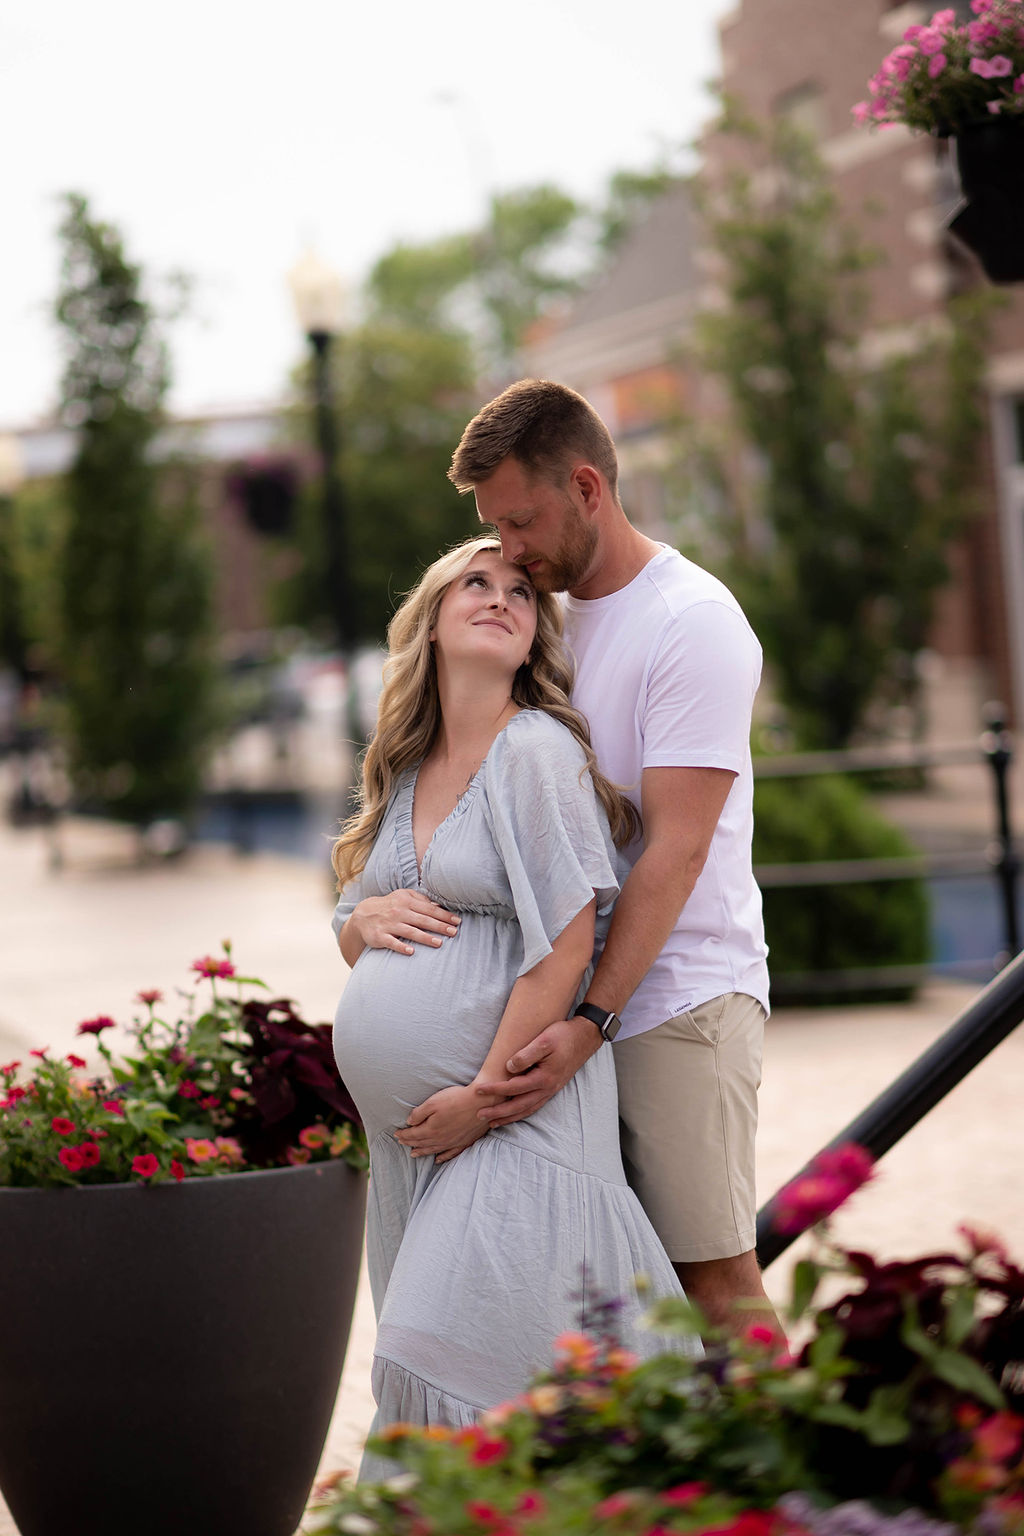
700, 691
550, 832
351, 896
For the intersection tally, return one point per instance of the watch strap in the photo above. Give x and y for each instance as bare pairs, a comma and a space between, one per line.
607, 1022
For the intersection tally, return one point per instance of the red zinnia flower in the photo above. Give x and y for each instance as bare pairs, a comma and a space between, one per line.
12, 1066
177, 1169
14, 1094
62, 1125
41, 1054
211, 968
89, 1152
145, 1165
75, 1061
113, 1106
150, 996
71, 1157
96, 1026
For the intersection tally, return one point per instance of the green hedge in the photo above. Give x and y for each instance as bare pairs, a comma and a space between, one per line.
835, 928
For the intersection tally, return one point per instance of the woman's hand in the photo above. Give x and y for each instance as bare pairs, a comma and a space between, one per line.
443, 1125
400, 920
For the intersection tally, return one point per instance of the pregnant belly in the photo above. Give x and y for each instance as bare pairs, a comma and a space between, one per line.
408, 1025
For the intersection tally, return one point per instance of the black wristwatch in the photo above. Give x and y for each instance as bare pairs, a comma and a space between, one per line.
608, 1023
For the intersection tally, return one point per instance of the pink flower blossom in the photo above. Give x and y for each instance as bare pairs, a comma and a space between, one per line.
71, 1158
945, 18
861, 112
62, 1125
931, 41
829, 1181
1018, 85
936, 64
995, 107
999, 66
113, 1107
73, 1060
980, 7
314, 1136
150, 996
981, 32
912, 33
200, 1149
229, 1150
296, 1156
145, 1165
89, 1152
41, 1054
211, 968
96, 1026
177, 1170
188, 1090
10, 1069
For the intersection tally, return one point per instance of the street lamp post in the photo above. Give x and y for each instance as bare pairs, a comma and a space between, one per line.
319, 297
12, 638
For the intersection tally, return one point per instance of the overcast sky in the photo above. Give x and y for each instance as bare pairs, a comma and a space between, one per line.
221, 138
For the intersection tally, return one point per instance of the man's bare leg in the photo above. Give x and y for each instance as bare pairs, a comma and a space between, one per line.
730, 1293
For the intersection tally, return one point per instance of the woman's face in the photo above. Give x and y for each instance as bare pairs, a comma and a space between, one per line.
488, 614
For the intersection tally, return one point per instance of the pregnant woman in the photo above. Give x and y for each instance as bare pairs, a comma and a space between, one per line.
471, 881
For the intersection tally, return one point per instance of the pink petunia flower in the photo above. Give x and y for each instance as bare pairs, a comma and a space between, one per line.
830, 1180
861, 112
62, 1125
113, 1107
71, 1157
145, 1165
931, 41
41, 1054
73, 1060
177, 1169
946, 18
89, 1152
995, 107
936, 65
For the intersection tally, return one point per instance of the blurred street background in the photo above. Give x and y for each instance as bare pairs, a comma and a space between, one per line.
258, 278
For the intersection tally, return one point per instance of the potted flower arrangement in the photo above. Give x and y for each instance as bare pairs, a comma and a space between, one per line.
899, 1413
180, 1236
965, 80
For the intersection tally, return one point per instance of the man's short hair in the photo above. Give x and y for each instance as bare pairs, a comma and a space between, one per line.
543, 426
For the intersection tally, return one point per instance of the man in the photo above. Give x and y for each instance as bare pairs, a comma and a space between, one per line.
667, 669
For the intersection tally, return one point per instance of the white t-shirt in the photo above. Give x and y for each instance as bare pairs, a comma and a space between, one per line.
667, 670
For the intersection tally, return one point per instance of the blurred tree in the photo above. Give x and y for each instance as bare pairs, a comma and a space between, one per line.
857, 475
439, 317
134, 581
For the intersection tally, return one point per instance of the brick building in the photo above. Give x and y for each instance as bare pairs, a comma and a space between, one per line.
811, 60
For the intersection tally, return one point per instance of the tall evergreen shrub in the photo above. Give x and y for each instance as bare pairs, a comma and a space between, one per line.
135, 588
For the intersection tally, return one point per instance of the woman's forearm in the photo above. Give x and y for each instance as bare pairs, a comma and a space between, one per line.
350, 943
545, 993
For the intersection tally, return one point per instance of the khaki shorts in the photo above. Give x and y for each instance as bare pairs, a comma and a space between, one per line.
688, 1115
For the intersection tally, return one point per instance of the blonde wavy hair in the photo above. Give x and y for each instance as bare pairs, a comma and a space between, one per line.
409, 712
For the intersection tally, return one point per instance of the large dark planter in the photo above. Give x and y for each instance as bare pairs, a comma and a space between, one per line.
990, 220
170, 1356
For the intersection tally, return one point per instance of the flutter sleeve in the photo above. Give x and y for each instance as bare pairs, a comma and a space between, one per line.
549, 830
351, 896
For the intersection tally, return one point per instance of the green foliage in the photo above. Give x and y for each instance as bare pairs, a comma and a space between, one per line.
838, 539
135, 601
894, 1399
838, 927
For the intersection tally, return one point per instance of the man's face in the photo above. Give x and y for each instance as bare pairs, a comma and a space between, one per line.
539, 525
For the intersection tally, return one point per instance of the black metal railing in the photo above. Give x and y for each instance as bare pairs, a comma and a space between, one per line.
989, 1018
998, 858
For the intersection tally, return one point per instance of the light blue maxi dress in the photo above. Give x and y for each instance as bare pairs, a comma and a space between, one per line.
476, 1265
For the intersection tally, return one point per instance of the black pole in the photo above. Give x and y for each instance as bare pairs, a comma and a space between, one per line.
993, 1014
997, 744
337, 592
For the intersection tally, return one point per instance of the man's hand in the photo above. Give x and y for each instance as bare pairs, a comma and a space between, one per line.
400, 920
540, 1069
443, 1125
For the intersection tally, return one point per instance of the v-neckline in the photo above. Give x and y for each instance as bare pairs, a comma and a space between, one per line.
460, 806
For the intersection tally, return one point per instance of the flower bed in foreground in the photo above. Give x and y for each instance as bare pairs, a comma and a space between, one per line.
902, 1414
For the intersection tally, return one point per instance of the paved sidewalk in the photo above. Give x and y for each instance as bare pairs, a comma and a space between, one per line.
85, 940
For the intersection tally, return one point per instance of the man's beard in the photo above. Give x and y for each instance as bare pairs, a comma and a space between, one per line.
571, 561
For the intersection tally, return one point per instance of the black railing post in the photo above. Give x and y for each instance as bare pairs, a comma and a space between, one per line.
997, 744
987, 1020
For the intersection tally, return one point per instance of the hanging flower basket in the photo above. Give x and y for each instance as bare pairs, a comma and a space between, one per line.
965, 81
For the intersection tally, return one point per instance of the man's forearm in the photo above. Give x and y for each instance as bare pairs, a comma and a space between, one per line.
655, 892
